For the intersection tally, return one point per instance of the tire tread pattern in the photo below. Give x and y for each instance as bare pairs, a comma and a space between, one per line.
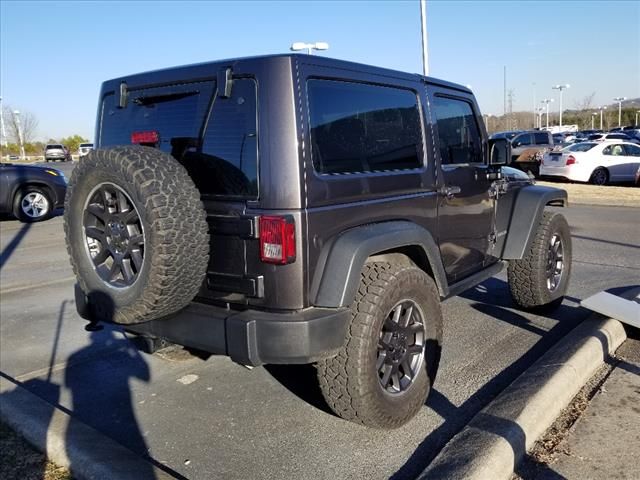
178, 238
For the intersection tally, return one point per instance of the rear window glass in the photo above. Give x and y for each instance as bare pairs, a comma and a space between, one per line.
86, 145
580, 147
51, 147
359, 128
217, 145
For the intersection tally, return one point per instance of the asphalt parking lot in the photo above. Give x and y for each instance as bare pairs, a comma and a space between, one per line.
215, 419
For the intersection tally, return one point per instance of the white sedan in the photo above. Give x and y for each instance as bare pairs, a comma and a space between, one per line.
595, 162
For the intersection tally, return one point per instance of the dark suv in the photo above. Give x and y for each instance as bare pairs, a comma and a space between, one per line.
298, 209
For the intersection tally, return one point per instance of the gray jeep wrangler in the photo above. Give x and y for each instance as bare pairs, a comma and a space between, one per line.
297, 209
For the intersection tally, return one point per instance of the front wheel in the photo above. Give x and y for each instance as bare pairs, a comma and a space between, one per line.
32, 204
384, 373
541, 277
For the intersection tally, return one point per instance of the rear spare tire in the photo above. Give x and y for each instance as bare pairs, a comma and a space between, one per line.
136, 233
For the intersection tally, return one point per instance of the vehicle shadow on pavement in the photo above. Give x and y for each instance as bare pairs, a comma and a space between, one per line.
301, 380
13, 244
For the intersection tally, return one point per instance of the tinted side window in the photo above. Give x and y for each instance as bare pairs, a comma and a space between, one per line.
521, 140
541, 138
632, 150
458, 133
363, 128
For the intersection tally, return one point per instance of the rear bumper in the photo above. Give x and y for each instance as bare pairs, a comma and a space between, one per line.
253, 337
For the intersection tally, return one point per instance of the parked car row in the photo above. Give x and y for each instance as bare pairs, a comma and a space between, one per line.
56, 151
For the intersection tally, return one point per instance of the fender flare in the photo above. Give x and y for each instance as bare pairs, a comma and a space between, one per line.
338, 273
526, 215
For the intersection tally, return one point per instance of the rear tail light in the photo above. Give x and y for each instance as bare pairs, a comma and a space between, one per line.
277, 240
571, 160
149, 137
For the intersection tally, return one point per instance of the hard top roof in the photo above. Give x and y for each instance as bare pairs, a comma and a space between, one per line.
308, 59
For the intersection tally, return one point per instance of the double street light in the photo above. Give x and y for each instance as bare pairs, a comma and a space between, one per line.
561, 88
619, 100
309, 47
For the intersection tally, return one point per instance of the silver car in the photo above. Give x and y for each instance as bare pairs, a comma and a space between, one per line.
54, 152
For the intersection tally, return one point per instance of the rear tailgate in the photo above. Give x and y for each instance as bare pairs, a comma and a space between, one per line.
215, 138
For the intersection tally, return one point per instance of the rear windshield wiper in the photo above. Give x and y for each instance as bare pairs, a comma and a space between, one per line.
163, 97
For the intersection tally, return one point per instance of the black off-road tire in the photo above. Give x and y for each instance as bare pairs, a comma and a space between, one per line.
176, 246
349, 381
527, 277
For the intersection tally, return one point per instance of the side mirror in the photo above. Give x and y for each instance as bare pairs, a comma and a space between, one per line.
499, 151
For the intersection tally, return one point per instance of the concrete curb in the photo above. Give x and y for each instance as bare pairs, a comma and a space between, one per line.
497, 438
94, 455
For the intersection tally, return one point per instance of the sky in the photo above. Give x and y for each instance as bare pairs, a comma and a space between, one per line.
55, 54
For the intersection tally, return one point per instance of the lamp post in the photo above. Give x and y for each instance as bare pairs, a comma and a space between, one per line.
601, 110
619, 100
425, 45
16, 113
561, 88
636, 122
309, 47
547, 101
539, 111
593, 119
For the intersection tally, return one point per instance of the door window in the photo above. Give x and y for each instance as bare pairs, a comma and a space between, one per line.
632, 150
458, 133
359, 128
522, 140
541, 138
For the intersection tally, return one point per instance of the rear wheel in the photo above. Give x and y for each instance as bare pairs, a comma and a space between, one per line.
136, 233
600, 176
383, 375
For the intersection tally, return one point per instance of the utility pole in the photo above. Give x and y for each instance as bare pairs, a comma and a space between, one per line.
16, 113
504, 112
510, 96
593, 118
4, 132
534, 105
636, 122
425, 45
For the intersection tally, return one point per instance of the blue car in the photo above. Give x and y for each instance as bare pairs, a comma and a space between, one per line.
31, 193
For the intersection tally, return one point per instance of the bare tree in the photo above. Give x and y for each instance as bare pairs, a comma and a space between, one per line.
584, 108
28, 125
